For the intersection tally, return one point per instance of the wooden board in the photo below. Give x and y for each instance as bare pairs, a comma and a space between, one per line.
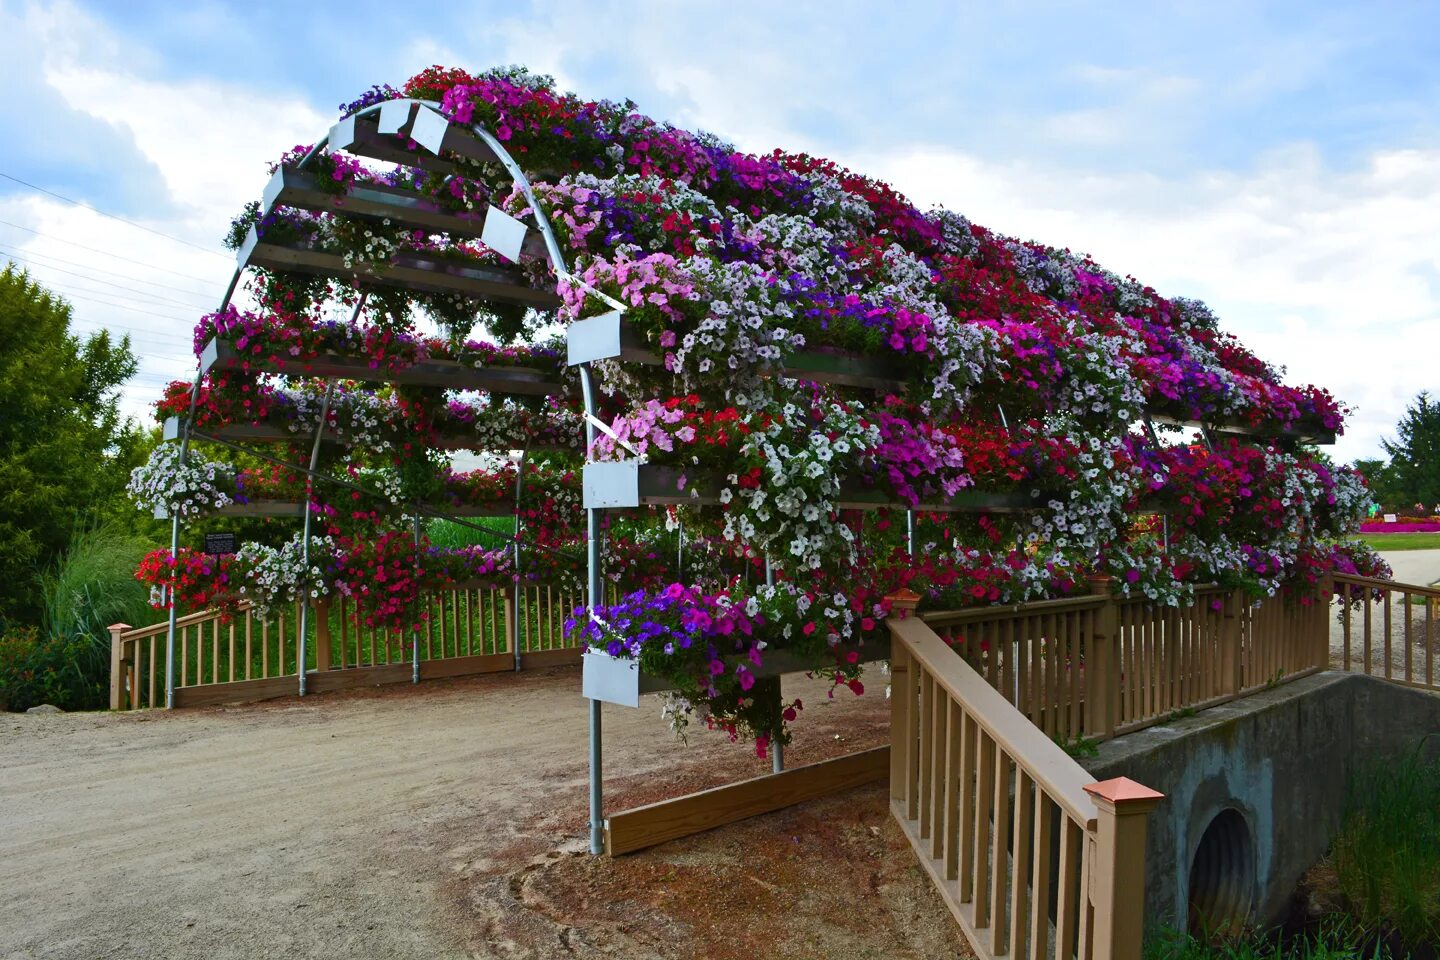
566, 657
326, 681
241, 691
697, 812
465, 666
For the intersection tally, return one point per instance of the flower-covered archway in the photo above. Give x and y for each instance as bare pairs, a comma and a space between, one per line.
798, 393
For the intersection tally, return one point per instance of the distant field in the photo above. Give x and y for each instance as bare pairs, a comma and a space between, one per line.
1402, 541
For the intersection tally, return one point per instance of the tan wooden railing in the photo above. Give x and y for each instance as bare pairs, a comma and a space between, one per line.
1400, 647
1097, 666
249, 657
1032, 857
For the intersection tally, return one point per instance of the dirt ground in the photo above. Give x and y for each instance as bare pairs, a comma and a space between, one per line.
441, 821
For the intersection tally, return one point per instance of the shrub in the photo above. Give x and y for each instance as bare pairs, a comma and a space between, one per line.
36, 669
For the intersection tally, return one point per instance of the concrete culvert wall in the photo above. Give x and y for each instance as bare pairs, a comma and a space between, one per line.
1255, 790
1222, 875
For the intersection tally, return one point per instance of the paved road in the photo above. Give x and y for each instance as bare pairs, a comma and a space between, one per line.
1414, 566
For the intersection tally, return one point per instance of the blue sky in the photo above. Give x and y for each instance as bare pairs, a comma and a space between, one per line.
1280, 161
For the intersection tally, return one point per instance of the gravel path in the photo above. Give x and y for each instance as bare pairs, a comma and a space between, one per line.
411, 822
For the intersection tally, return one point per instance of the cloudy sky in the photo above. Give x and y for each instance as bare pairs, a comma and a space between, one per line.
1279, 160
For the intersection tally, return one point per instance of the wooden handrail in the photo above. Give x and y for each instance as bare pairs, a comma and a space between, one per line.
1051, 767
188, 620
1386, 585
970, 614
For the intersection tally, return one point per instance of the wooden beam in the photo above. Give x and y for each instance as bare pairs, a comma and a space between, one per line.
697, 812
241, 691
564, 657
464, 666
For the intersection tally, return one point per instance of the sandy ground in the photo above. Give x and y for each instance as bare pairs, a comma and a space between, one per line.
440, 821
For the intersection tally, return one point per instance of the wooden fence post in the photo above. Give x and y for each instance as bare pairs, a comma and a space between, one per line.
1320, 623
902, 686
512, 633
1231, 681
322, 634
117, 662
1102, 666
1117, 867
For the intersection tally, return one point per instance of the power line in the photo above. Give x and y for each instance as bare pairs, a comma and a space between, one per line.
21, 251
150, 297
68, 295
86, 206
107, 253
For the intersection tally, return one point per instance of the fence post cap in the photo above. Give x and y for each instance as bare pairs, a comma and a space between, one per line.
904, 599
119, 627
1124, 795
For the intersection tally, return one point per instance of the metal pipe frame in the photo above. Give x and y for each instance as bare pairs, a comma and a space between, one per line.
515, 573
302, 646
186, 427
415, 630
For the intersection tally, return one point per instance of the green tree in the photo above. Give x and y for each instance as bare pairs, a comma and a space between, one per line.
65, 450
1414, 470
1377, 473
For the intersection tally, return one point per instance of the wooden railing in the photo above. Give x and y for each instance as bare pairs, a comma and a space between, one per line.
1386, 629
1032, 857
1097, 666
248, 657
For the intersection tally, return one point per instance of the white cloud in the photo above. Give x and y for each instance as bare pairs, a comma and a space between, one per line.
209, 141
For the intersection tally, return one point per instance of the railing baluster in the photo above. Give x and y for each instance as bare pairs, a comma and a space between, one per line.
1368, 632
1389, 655
1044, 814
999, 845
984, 805
939, 768
954, 772
1020, 862
927, 751
1068, 905
1405, 606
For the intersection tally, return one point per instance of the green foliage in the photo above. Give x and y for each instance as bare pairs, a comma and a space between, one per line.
65, 452
94, 586
1413, 475
1080, 748
1335, 940
449, 535
1402, 541
1387, 859
36, 669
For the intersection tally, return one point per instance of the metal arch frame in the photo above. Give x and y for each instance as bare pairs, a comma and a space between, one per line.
562, 273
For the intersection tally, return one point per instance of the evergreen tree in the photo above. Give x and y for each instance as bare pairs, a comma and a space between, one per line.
1414, 470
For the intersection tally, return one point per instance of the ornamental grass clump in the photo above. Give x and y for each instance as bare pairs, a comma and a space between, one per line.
1387, 858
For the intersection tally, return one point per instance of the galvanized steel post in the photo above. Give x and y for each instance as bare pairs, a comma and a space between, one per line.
303, 645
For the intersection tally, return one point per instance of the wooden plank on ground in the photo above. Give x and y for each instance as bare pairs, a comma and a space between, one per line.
331, 680
671, 819
565, 657
465, 666
241, 691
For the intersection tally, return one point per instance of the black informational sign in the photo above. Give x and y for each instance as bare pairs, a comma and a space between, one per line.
219, 543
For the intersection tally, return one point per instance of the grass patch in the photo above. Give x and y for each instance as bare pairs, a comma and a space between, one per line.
450, 535
1335, 940
1387, 858
92, 586
1401, 541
